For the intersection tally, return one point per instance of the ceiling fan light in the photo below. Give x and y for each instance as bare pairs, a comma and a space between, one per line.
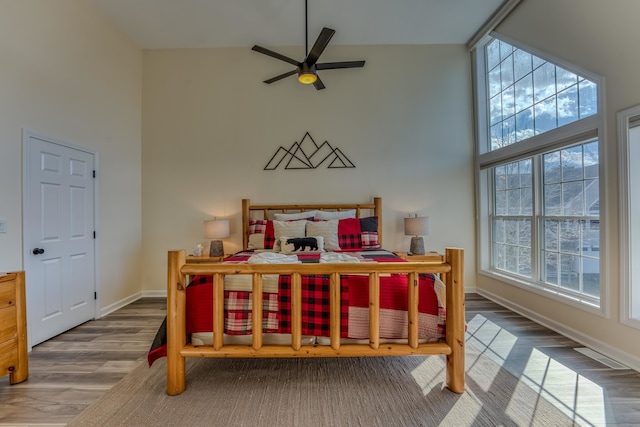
307, 74
307, 78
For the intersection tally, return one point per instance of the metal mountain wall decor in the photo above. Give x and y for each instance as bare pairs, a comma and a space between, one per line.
306, 154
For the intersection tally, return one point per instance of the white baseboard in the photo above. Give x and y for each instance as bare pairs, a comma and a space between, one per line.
119, 304
154, 294
126, 301
618, 355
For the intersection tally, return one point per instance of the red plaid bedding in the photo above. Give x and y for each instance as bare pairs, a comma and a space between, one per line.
354, 303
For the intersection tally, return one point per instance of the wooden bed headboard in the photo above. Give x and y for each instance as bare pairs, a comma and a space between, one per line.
371, 209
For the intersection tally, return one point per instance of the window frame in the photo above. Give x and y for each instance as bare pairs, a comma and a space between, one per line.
574, 133
629, 314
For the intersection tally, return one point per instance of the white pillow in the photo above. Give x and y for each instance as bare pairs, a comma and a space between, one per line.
324, 215
294, 216
295, 245
328, 230
256, 241
288, 228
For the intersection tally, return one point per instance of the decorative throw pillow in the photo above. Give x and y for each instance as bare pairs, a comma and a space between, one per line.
290, 245
257, 226
326, 215
370, 240
328, 230
256, 241
261, 234
358, 233
287, 228
294, 216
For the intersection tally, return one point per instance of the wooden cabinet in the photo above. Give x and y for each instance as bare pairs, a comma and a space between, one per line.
13, 327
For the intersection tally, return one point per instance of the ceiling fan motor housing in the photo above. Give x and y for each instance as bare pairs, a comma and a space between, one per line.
307, 74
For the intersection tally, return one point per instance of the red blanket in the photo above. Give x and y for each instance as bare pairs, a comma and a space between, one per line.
354, 303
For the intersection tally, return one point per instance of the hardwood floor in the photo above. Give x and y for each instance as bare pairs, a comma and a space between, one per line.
72, 370
589, 392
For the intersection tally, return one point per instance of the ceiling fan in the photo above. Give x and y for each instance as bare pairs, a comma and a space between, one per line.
307, 70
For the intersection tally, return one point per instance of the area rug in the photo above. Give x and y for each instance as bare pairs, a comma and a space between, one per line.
371, 391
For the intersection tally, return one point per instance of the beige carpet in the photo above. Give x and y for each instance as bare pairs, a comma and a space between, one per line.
391, 391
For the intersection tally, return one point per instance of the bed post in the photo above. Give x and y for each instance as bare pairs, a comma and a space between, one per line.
377, 211
176, 323
455, 320
246, 215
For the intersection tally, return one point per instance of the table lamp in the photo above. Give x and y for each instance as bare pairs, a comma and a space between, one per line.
216, 229
417, 227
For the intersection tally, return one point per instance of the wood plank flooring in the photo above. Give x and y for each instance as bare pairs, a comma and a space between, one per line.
589, 392
72, 370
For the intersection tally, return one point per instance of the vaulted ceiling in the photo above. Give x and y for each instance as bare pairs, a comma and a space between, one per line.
157, 24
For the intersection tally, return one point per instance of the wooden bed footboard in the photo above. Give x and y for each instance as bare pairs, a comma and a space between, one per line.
452, 348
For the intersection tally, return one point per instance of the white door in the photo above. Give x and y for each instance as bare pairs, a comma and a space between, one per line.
58, 237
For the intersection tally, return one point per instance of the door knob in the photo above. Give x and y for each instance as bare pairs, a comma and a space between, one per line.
38, 251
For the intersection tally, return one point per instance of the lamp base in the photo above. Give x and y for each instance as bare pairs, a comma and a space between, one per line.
417, 246
216, 248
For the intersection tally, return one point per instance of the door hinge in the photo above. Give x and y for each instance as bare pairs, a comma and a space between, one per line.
95, 295
94, 173
94, 234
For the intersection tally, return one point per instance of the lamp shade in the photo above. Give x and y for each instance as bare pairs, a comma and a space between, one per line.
417, 226
216, 229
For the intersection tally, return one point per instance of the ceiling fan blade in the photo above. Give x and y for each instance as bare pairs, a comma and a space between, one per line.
280, 77
273, 54
334, 65
318, 83
318, 47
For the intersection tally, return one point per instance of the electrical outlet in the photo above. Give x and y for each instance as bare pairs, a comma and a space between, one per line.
3, 225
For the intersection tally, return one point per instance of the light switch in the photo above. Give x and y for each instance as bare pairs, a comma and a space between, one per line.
3, 225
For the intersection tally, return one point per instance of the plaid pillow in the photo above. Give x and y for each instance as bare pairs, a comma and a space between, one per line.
358, 233
257, 226
370, 240
264, 228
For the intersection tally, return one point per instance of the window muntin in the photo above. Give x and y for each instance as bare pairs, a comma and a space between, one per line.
528, 95
511, 223
571, 186
570, 219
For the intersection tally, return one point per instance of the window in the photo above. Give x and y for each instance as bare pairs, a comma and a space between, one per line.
529, 96
570, 236
629, 198
538, 126
513, 209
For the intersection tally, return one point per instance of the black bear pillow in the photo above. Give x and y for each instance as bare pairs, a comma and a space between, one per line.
294, 245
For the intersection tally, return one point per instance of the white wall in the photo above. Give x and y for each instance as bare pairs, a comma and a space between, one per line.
601, 37
66, 72
210, 126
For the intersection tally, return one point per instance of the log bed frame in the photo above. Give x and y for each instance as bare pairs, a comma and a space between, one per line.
178, 270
